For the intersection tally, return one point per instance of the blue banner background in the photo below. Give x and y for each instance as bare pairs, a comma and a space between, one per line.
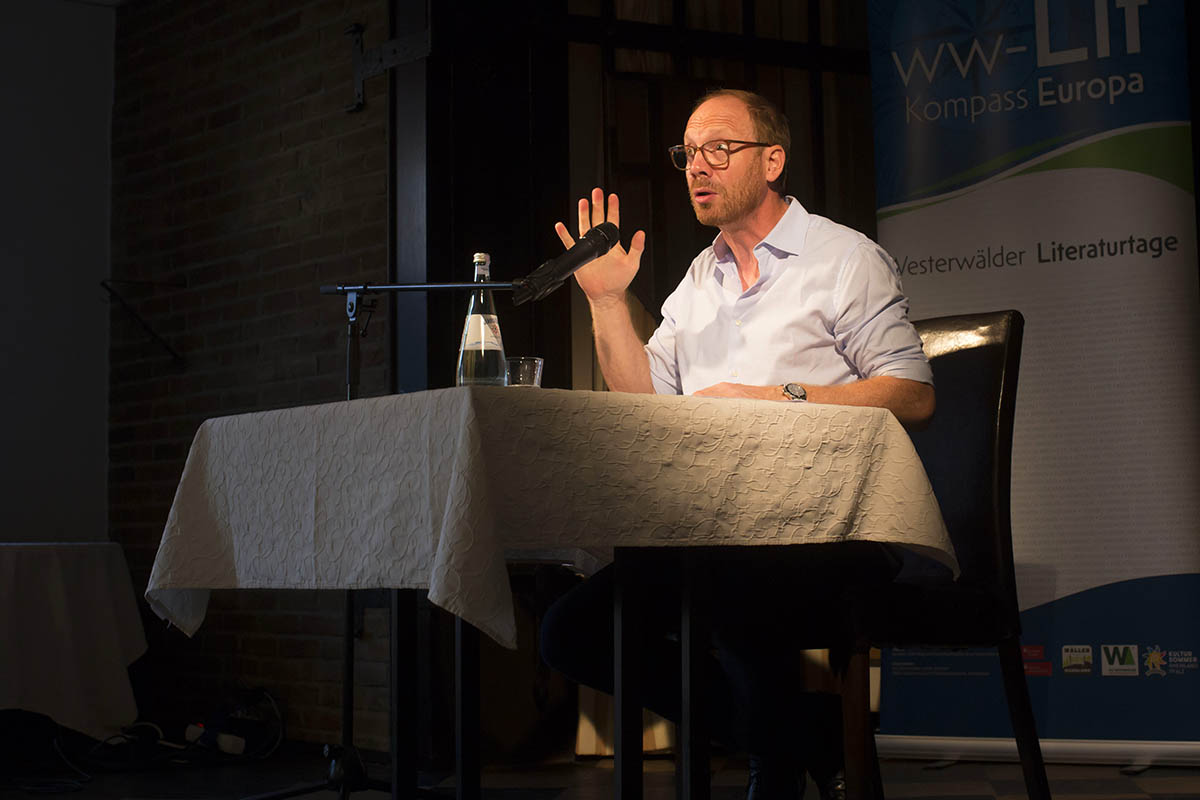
932, 139
919, 157
1157, 613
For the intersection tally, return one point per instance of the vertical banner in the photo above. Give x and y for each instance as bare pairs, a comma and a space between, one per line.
1037, 155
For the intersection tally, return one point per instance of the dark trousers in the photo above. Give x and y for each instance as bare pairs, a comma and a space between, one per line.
766, 604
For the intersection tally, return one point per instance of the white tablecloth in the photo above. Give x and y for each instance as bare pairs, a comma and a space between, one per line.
428, 490
69, 629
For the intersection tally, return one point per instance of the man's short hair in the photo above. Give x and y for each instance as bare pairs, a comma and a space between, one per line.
770, 125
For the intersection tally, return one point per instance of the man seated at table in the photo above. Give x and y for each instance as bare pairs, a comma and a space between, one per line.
786, 306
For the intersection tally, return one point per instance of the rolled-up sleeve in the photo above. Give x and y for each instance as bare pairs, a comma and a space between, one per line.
871, 324
660, 351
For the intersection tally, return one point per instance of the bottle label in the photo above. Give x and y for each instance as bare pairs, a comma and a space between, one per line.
482, 332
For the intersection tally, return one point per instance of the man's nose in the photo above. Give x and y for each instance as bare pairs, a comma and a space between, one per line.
699, 165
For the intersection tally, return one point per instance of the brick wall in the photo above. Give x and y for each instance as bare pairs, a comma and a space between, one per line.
239, 186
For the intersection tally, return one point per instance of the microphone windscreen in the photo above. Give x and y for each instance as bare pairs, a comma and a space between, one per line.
608, 233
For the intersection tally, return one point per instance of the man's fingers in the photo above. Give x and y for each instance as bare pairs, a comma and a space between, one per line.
597, 206
585, 216
614, 210
637, 244
592, 212
563, 236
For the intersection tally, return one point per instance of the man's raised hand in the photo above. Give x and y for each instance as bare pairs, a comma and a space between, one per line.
605, 279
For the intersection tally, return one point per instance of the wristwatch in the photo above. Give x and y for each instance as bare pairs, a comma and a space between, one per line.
795, 392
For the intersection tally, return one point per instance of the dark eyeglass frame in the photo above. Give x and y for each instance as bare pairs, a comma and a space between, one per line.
688, 152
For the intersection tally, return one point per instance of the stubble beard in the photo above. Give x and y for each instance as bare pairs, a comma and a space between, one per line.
734, 202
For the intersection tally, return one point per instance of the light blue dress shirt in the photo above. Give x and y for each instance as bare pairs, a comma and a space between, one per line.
827, 309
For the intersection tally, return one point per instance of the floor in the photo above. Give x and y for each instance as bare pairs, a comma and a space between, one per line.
588, 779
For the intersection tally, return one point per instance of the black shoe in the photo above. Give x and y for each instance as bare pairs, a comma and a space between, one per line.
774, 779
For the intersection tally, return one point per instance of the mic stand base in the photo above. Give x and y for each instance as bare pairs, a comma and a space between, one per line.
347, 772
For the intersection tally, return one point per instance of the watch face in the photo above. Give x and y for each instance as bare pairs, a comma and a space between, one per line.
796, 391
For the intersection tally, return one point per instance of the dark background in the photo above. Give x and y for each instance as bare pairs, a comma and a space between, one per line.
198, 154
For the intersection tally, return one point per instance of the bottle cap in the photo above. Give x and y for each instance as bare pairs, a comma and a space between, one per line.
483, 263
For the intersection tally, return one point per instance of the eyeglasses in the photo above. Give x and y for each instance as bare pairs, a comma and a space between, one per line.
716, 152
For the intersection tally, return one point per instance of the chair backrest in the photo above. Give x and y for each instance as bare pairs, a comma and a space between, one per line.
967, 447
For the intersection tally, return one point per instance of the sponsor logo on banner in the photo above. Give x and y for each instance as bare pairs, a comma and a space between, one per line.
1155, 661
1159, 661
1181, 661
1077, 659
1043, 668
970, 65
930, 60
1032, 652
1119, 659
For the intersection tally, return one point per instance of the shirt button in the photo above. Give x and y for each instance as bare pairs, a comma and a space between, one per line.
734, 373
737, 322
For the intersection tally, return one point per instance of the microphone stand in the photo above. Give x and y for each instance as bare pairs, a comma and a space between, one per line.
353, 292
347, 772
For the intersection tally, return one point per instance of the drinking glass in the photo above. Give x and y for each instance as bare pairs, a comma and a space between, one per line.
525, 371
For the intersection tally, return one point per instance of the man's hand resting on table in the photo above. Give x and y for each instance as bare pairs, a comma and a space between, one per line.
743, 390
911, 401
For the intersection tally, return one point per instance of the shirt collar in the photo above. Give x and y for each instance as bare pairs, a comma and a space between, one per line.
789, 233
787, 236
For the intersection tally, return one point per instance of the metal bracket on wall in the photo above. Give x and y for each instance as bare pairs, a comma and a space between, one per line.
107, 285
378, 60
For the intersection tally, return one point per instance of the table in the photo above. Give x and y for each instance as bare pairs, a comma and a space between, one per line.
431, 490
70, 628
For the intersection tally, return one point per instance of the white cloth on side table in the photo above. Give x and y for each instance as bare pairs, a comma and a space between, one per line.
70, 628
431, 489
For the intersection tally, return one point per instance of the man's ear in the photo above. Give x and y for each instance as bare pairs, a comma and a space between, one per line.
776, 158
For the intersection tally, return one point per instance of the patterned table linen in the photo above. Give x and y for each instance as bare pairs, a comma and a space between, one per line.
69, 629
430, 489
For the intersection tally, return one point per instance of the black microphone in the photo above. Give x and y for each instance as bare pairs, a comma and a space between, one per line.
549, 276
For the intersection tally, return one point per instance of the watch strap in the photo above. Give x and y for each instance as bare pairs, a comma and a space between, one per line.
795, 392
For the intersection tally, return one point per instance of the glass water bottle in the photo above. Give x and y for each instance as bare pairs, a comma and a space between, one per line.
481, 352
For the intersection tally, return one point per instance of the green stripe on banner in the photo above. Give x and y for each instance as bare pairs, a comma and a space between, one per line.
995, 164
906, 209
1160, 152
1164, 153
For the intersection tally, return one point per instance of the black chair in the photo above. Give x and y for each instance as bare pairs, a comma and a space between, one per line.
967, 453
